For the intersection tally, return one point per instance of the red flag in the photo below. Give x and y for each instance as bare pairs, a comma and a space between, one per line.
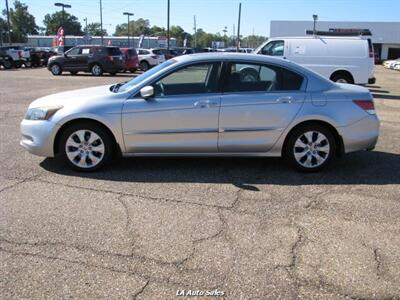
60, 36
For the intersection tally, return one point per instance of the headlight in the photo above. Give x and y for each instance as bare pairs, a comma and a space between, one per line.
41, 113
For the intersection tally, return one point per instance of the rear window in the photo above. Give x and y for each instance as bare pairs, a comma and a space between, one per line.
114, 51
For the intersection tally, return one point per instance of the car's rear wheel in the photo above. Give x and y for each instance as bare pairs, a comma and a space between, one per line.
86, 147
310, 148
113, 73
56, 69
133, 70
144, 66
96, 70
342, 78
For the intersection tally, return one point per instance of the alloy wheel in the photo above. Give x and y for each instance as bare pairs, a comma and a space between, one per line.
311, 149
85, 148
55, 69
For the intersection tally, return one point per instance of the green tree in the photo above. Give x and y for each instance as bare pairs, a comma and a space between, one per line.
3, 31
136, 28
21, 21
69, 22
94, 29
158, 31
178, 33
252, 41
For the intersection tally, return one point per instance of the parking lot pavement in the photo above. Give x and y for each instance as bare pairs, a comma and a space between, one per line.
146, 228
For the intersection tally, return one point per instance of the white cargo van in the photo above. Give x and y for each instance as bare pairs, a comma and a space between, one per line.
348, 59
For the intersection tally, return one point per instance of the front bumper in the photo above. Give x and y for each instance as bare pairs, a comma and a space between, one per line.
371, 80
361, 135
38, 137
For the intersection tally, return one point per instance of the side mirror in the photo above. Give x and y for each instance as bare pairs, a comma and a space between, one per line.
147, 92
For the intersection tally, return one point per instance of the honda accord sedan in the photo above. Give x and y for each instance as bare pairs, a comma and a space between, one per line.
210, 104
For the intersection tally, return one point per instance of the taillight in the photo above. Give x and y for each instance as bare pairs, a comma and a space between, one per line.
367, 105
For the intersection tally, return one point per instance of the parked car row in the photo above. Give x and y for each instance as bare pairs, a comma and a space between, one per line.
16, 56
392, 64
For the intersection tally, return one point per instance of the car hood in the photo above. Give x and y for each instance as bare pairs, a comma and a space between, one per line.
81, 96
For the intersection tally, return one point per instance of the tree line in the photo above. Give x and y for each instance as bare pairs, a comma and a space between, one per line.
22, 23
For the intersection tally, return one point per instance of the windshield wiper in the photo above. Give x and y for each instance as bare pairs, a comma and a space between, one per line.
114, 88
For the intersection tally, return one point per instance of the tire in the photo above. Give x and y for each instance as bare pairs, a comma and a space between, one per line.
28, 64
90, 156
55, 69
8, 64
310, 148
144, 66
96, 70
342, 78
73, 72
113, 73
17, 64
133, 70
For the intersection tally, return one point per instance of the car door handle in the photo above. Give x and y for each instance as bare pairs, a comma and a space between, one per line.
285, 99
205, 104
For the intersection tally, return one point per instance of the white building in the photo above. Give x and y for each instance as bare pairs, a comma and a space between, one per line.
385, 35
119, 41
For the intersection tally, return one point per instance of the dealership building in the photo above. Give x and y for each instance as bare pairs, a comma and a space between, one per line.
119, 41
385, 35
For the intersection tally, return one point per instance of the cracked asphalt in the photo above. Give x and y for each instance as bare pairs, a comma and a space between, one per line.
145, 228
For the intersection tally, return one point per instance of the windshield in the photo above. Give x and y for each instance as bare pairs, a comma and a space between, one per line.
135, 81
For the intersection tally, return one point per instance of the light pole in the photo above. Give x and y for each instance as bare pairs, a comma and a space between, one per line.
101, 21
315, 18
64, 6
168, 24
128, 14
238, 29
8, 23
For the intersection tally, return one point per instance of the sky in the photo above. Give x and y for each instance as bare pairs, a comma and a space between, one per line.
214, 15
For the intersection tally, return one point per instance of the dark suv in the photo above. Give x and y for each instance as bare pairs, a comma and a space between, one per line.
94, 59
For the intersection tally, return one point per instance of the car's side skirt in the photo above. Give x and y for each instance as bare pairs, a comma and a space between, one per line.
219, 154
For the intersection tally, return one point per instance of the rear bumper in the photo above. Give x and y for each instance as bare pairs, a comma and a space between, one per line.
362, 135
371, 80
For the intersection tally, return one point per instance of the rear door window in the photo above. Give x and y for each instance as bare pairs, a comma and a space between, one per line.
260, 78
114, 51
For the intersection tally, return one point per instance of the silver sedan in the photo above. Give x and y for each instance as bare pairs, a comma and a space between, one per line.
213, 104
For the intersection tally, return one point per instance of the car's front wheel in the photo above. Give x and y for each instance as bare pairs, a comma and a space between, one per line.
55, 69
310, 148
86, 147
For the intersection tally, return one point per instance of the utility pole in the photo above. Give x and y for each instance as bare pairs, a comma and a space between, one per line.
238, 31
8, 23
167, 24
128, 14
195, 31
101, 21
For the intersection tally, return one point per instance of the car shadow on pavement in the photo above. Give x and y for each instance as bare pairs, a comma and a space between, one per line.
373, 167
